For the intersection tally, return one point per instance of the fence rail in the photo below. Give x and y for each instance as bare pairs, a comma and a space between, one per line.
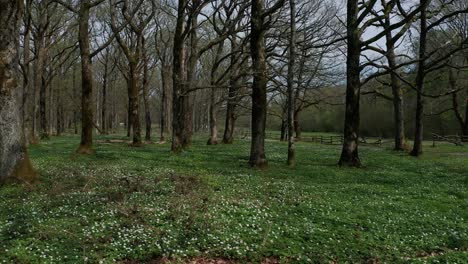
454, 139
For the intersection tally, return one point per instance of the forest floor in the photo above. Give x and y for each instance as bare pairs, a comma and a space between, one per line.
132, 205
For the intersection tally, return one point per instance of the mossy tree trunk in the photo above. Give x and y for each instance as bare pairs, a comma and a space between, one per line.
14, 159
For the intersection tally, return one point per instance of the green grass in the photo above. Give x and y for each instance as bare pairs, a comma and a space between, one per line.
145, 203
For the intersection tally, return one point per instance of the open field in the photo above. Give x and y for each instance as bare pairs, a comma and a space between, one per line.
138, 204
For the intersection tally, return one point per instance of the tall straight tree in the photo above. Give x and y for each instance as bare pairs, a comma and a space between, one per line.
432, 60
357, 22
418, 133
291, 99
14, 159
259, 88
83, 10
180, 100
349, 154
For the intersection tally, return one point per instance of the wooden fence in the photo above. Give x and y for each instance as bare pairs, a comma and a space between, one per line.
320, 139
454, 139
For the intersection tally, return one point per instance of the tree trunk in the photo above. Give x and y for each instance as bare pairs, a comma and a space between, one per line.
259, 87
14, 159
291, 99
297, 125
179, 78
213, 111
26, 63
42, 109
166, 104
146, 98
229, 126
418, 136
104, 125
284, 127
458, 115
213, 140
188, 99
134, 104
129, 113
87, 117
397, 91
349, 154
465, 127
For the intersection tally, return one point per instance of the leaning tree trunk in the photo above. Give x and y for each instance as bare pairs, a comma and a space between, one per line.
418, 134
259, 87
349, 154
14, 159
86, 143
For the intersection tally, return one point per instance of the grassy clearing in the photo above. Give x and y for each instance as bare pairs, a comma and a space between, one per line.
145, 203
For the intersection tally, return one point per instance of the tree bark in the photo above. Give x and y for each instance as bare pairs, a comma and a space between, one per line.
104, 123
297, 124
179, 78
284, 128
134, 104
14, 159
26, 63
259, 91
87, 115
418, 135
397, 91
166, 102
462, 122
233, 93
213, 140
349, 154
146, 96
291, 104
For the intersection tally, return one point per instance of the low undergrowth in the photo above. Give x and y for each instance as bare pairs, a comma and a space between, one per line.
132, 205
